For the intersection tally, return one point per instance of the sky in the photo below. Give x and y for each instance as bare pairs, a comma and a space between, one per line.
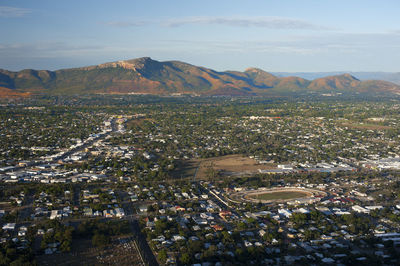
284, 35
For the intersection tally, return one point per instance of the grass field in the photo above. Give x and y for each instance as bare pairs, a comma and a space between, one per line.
365, 126
280, 195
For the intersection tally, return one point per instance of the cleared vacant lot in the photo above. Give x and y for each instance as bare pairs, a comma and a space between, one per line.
229, 164
365, 126
121, 251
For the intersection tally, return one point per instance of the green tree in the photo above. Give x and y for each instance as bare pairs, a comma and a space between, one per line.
185, 258
100, 240
162, 256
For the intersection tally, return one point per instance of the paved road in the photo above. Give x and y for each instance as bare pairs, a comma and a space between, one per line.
144, 248
27, 209
218, 201
76, 195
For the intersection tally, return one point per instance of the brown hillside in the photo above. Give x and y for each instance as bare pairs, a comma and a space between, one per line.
148, 76
340, 82
9, 93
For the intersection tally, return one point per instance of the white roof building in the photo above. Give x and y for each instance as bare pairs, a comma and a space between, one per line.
9, 226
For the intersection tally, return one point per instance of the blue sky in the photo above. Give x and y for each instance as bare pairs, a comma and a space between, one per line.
285, 35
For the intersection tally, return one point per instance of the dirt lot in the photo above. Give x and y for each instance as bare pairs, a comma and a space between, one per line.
137, 122
365, 126
121, 251
224, 165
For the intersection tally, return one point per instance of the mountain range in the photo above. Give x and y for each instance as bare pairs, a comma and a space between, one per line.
386, 76
148, 76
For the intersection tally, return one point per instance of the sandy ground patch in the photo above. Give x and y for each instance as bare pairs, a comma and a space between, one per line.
237, 164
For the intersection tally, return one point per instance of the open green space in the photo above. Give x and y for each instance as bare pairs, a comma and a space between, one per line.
280, 195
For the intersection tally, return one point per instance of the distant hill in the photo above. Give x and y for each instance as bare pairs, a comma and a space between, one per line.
393, 77
147, 76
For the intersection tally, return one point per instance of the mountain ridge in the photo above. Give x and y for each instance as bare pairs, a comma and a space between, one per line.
147, 76
393, 77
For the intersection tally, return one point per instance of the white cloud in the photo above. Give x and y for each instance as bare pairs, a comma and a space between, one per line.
127, 24
45, 50
12, 12
260, 22
325, 43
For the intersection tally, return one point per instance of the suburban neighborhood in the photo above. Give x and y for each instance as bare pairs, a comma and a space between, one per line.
199, 183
